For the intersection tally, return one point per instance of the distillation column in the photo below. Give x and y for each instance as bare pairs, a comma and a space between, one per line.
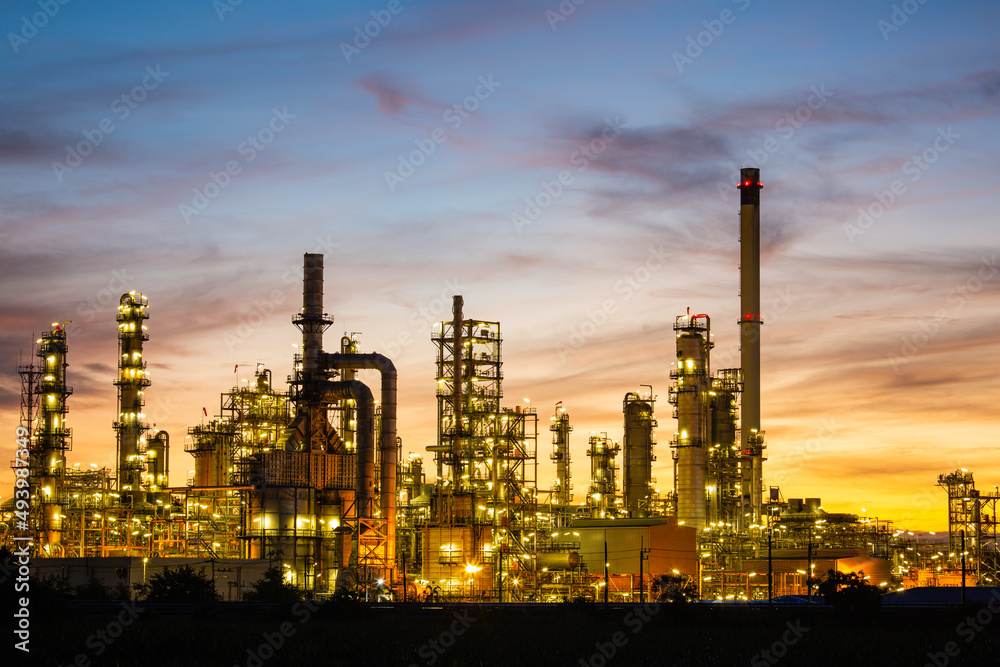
691, 397
751, 436
52, 437
132, 381
603, 484
561, 491
638, 446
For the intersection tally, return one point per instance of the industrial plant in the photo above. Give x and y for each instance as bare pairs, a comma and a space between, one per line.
314, 479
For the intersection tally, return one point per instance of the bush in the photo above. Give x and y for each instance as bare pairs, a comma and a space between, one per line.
95, 590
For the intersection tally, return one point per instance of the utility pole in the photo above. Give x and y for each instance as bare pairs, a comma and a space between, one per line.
770, 567
606, 569
962, 533
809, 586
404, 575
642, 590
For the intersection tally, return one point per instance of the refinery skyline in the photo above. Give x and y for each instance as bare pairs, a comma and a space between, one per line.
571, 174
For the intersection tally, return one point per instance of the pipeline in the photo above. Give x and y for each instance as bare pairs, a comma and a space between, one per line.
387, 447
362, 396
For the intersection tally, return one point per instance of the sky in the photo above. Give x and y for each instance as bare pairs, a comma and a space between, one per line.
569, 168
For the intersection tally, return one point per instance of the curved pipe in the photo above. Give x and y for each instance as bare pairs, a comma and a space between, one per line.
387, 447
362, 396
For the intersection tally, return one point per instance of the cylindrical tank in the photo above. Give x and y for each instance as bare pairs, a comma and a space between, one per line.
692, 408
284, 521
638, 446
722, 485
558, 560
157, 461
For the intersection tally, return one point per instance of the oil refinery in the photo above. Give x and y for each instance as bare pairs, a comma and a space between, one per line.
315, 478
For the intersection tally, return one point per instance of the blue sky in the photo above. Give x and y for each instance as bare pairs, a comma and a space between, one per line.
883, 327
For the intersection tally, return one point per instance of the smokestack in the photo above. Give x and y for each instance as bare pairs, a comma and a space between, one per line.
456, 451
751, 437
312, 321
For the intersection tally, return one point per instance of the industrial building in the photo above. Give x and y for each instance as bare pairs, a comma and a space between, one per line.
314, 478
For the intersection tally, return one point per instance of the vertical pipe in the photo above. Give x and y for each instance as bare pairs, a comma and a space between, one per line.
389, 461
457, 344
750, 323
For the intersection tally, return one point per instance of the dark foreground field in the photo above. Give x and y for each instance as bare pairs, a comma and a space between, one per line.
335, 634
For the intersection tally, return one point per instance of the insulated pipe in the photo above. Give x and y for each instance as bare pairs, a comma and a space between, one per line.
387, 448
750, 323
362, 396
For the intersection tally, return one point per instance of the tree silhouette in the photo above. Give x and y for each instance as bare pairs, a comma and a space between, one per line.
94, 589
674, 588
272, 587
180, 585
849, 590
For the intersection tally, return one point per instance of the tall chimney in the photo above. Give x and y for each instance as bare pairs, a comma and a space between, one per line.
751, 436
312, 321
